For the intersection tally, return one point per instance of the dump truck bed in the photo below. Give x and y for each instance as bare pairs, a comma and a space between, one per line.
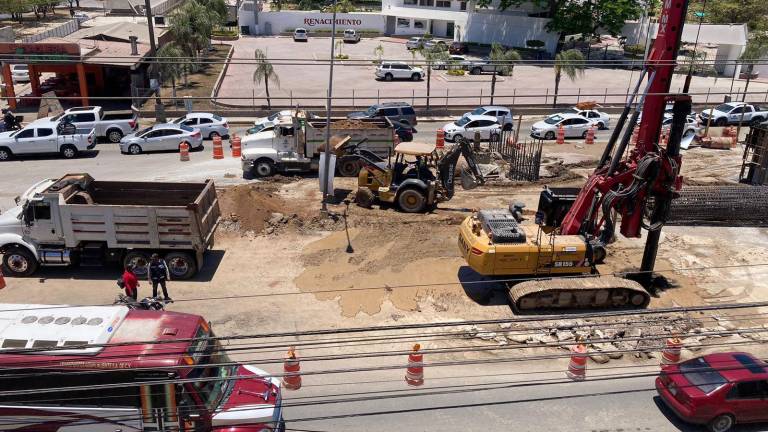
379, 133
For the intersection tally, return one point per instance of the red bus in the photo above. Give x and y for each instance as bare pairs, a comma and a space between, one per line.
109, 369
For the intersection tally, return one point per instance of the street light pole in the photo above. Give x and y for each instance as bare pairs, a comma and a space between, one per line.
327, 152
159, 111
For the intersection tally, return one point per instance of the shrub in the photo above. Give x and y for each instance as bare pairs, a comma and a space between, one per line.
456, 72
637, 49
341, 57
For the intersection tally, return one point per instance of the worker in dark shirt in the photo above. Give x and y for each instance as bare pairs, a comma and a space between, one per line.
159, 275
131, 283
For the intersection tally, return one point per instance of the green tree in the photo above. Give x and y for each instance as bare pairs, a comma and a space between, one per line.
264, 73
193, 23
756, 50
342, 6
172, 63
751, 12
571, 63
504, 61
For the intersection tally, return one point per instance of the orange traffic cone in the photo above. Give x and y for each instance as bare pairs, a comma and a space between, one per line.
671, 353
577, 368
414, 375
590, 136
184, 151
440, 138
2, 280
560, 135
236, 146
292, 370
218, 151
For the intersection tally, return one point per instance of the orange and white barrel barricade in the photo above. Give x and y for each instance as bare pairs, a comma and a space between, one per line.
671, 352
218, 151
577, 368
590, 139
184, 151
2, 280
237, 149
440, 138
561, 135
291, 370
414, 375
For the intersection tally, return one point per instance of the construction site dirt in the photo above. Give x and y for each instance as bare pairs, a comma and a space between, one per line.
277, 265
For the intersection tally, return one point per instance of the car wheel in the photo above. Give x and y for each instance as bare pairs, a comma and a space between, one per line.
213, 135
134, 149
411, 201
69, 151
721, 122
139, 260
19, 262
264, 168
721, 423
5, 154
181, 265
415, 77
601, 126
457, 138
475, 71
584, 135
549, 135
114, 135
388, 77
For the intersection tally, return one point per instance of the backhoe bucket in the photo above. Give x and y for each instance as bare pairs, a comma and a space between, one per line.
468, 181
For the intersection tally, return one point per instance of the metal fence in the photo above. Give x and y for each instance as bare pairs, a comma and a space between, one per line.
524, 158
65, 29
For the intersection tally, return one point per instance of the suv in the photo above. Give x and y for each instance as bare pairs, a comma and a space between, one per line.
350, 35
415, 43
300, 34
396, 111
398, 70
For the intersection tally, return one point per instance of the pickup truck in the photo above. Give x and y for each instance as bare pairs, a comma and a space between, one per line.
76, 220
731, 113
113, 126
46, 136
476, 67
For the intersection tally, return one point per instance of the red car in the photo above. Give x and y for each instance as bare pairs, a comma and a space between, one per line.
718, 390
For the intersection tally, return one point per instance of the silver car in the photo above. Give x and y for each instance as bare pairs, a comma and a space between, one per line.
574, 126
300, 34
164, 136
415, 43
210, 125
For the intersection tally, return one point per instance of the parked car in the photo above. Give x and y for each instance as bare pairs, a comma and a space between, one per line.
601, 119
476, 67
395, 111
210, 125
350, 35
438, 44
502, 114
300, 34
44, 136
110, 125
453, 62
20, 73
458, 48
415, 43
733, 113
691, 125
404, 131
718, 390
398, 70
465, 127
163, 136
574, 125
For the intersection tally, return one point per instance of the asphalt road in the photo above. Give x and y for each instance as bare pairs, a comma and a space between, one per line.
491, 397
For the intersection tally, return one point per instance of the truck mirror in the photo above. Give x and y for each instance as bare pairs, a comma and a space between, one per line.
16, 199
29, 214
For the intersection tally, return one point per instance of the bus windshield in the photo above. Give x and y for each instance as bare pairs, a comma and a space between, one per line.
213, 387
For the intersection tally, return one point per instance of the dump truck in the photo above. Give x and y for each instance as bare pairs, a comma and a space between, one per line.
295, 144
76, 220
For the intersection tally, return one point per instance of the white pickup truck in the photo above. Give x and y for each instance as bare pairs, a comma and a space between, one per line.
46, 136
733, 113
112, 126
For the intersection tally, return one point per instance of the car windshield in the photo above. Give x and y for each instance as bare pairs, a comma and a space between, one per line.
462, 121
300, 31
186, 128
213, 385
724, 107
572, 110
371, 111
179, 120
479, 111
699, 373
143, 131
555, 119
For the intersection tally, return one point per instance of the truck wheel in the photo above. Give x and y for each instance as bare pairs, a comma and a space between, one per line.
181, 265
721, 122
114, 135
5, 154
139, 261
411, 201
18, 262
364, 197
349, 168
134, 149
264, 168
69, 151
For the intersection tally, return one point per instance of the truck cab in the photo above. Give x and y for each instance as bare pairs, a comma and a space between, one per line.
278, 149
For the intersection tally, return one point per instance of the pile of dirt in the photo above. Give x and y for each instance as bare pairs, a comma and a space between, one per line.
250, 207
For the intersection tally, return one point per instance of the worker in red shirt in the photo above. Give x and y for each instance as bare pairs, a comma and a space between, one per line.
130, 283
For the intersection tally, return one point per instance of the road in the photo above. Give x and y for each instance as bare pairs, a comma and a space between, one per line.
493, 397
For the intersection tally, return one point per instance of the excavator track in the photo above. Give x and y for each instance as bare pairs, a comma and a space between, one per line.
578, 293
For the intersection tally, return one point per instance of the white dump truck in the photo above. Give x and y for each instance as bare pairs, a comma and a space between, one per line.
295, 144
76, 220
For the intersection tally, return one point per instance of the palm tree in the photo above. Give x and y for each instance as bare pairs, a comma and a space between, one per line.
263, 73
172, 63
570, 63
431, 56
504, 63
756, 49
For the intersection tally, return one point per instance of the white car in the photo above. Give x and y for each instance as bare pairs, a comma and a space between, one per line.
502, 114
574, 126
210, 125
601, 119
272, 118
453, 62
350, 35
398, 70
20, 73
415, 43
465, 127
300, 34
164, 136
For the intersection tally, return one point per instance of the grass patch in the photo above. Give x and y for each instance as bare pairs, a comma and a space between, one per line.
456, 72
341, 57
199, 83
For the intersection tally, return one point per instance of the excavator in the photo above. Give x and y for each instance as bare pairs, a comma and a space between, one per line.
420, 177
551, 263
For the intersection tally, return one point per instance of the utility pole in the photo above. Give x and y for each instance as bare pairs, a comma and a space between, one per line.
327, 152
159, 109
